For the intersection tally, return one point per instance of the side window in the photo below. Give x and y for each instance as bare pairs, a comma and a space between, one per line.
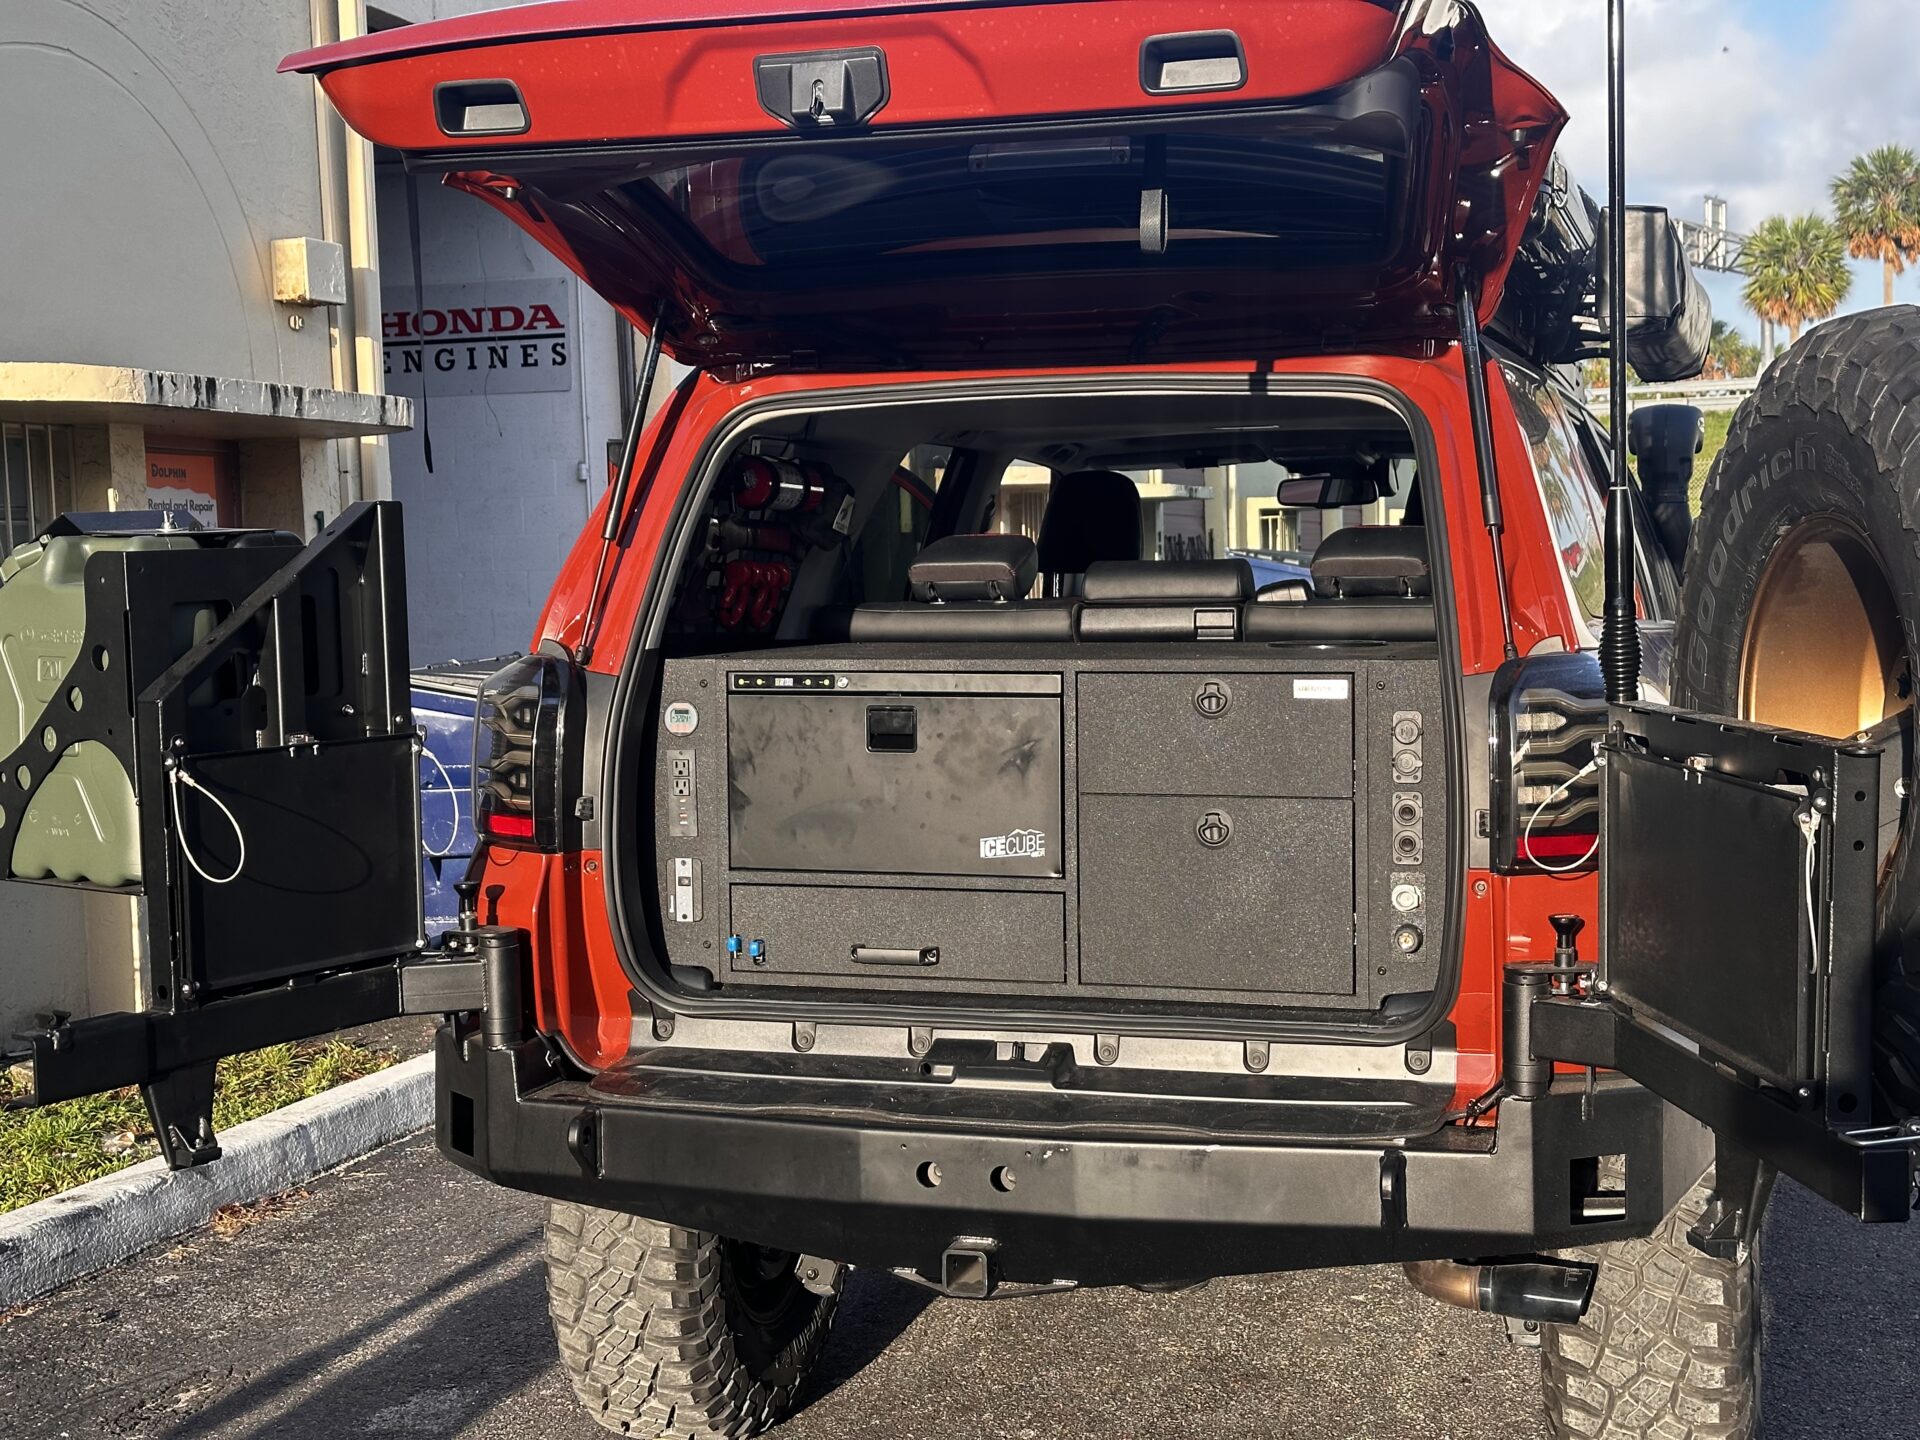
1575, 504
896, 527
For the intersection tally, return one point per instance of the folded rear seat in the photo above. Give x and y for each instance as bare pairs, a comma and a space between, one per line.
965, 588
1370, 582
1164, 599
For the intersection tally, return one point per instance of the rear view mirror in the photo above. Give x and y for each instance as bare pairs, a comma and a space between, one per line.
1332, 490
1664, 439
1669, 318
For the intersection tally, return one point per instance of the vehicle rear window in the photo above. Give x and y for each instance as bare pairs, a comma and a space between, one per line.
1288, 202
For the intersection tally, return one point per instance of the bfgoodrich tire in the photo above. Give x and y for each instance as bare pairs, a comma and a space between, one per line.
1801, 602
677, 1334
1668, 1350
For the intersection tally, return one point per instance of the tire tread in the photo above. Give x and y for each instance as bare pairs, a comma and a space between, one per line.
1668, 1350
646, 1333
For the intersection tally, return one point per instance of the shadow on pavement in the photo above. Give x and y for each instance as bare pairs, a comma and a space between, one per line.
1839, 1313
432, 1365
875, 1309
394, 1374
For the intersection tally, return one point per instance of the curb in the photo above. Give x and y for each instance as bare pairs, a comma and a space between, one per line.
50, 1242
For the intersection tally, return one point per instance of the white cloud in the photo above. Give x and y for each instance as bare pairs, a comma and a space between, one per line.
1760, 102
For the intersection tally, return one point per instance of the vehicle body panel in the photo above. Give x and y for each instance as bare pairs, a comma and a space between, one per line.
1370, 168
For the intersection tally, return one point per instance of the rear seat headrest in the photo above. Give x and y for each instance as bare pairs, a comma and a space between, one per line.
1119, 582
974, 567
1361, 560
1091, 515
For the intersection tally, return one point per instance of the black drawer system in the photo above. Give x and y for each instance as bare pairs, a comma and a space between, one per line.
944, 936
849, 818
900, 783
1217, 893
1206, 733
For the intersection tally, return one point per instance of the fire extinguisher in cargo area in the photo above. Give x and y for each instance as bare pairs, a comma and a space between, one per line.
775, 511
750, 592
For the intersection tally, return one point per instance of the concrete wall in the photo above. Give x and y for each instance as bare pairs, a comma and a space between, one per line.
151, 157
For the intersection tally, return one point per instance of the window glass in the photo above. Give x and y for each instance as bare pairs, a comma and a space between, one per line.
896, 527
16, 461
1575, 503
1278, 529
1284, 203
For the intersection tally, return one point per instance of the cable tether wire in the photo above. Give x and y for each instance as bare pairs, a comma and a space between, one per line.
178, 775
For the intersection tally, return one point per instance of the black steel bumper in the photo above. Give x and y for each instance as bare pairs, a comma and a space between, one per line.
1096, 1212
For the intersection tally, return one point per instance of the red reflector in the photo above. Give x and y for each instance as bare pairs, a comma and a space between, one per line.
510, 827
1551, 847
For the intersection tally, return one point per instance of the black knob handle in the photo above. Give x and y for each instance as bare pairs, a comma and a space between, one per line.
1566, 935
469, 893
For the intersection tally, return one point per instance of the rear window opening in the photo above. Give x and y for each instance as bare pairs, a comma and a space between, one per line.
1085, 703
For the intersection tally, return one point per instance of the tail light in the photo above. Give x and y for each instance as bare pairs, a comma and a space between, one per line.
522, 795
1549, 712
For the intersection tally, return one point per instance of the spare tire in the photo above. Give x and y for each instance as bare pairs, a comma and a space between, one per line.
1801, 600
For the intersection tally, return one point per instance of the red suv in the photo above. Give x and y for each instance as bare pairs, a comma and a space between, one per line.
894, 856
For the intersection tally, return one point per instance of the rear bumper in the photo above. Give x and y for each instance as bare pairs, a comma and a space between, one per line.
1098, 1213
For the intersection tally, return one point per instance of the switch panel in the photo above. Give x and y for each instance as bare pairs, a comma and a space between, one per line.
686, 890
683, 820
1407, 757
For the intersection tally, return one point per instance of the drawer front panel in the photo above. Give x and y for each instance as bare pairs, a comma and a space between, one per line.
975, 935
1217, 893
1202, 733
895, 784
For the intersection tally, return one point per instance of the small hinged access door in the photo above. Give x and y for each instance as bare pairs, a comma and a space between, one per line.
255, 695
1739, 869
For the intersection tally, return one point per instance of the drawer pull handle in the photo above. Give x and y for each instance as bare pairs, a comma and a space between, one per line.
894, 955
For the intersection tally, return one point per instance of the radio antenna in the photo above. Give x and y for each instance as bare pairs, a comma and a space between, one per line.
1619, 627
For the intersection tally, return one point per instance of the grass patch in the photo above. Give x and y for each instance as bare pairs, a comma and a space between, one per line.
1717, 423
56, 1147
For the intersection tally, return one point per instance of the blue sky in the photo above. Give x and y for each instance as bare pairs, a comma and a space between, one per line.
1759, 101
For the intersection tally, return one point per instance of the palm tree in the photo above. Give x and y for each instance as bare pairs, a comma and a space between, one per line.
1730, 355
1877, 205
1796, 270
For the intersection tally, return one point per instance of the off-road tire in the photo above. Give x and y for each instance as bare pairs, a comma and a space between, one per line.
676, 1334
1830, 434
1668, 1350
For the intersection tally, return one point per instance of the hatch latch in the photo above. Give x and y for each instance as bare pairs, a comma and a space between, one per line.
824, 88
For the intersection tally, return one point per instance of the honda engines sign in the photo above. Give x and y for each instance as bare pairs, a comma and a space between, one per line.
479, 339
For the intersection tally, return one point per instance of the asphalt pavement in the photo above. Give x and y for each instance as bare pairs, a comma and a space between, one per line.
401, 1297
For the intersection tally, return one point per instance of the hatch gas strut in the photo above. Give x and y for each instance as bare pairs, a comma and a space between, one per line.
1474, 359
1619, 630
623, 482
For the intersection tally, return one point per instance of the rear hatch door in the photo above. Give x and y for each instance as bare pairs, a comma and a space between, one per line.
938, 185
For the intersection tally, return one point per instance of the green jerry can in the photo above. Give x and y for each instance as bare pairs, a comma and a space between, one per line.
80, 826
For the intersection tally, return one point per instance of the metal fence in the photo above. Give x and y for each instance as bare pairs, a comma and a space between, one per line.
1707, 394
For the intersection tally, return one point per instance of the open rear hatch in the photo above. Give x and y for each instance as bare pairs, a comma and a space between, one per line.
939, 185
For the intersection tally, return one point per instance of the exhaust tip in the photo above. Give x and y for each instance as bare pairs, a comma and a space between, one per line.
1553, 1292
